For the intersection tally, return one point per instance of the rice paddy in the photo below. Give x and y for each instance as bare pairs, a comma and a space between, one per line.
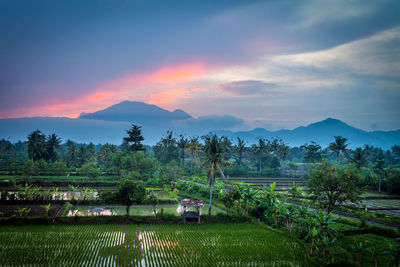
148, 245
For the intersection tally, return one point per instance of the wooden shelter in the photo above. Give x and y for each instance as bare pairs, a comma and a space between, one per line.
191, 215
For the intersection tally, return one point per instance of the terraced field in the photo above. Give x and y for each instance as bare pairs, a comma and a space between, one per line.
148, 245
261, 181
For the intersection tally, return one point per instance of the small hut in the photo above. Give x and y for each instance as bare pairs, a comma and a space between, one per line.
191, 215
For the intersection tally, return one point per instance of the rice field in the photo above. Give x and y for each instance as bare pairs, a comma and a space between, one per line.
148, 245
391, 203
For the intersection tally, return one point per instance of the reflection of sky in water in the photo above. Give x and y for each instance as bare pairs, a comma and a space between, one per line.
64, 195
136, 210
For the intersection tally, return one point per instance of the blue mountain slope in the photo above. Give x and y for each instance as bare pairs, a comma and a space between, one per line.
109, 125
137, 112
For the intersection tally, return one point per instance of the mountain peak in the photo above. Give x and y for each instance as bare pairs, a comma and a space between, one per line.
330, 122
136, 112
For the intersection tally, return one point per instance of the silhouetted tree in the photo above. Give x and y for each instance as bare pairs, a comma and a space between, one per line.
53, 142
182, 144
313, 152
36, 145
338, 146
134, 139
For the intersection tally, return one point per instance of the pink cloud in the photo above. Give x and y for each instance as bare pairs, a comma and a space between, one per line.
164, 86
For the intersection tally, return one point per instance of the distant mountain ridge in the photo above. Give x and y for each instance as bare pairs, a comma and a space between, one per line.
322, 132
109, 125
138, 112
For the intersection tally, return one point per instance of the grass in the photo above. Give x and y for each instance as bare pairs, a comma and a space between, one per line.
149, 245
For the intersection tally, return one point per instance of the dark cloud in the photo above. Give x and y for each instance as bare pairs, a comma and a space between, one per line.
248, 87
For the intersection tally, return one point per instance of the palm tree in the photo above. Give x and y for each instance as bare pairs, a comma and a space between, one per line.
359, 157
259, 150
194, 148
338, 146
36, 145
214, 160
182, 144
240, 148
53, 142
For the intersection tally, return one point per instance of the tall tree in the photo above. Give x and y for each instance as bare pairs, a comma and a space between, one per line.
313, 152
130, 192
332, 185
91, 153
53, 142
72, 155
213, 160
260, 149
359, 158
240, 149
36, 145
105, 154
339, 146
182, 144
134, 139
194, 148
167, 148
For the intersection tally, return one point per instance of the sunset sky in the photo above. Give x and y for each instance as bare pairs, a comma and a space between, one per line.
273, 64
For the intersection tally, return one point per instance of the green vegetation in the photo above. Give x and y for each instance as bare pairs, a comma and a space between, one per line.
154, 245
295, 190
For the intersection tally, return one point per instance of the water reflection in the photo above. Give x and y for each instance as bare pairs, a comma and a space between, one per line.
135, 210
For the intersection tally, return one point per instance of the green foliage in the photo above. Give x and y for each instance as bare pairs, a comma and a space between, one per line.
130, 192
334, 185
46, 208
140, 165
167, 149
90, 170
235, 244
134, 139
22, 211
313, 152
393, 180
36, 145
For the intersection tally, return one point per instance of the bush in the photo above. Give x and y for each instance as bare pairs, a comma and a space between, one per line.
90, 170
108, 197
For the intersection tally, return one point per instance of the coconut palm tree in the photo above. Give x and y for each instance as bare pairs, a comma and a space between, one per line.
240, 148
182, 144
194, 148
214, 159
53, 142
359, 157
36, 145
339, 145
259, 150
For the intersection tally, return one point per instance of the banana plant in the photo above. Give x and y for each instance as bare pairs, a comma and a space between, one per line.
35, 193
56, 193
23, 192
46, 208
22, 211
360, 250
74, 190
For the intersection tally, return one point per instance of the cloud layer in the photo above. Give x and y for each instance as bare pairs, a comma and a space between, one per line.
273, 64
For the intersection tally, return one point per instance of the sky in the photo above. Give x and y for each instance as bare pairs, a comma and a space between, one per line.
270, 64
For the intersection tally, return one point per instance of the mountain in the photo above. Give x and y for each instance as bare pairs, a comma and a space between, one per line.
109, 126
137, 112
323, 133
